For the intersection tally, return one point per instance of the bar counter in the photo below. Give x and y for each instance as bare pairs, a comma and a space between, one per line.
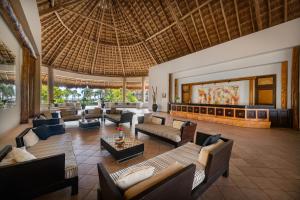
235, 115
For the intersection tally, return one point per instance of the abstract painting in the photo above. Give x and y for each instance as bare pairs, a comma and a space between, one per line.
218, 94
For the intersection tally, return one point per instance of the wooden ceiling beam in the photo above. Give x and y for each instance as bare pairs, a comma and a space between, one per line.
119, 48
251, 15
225, 19
214, 21
178, 23
57, 7
79, 65
204, 27
86, 57
257, 14
286, 10
141, 38
74, 34
237, 17
97, 44
101, 22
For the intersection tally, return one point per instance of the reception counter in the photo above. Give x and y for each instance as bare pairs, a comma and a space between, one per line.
243, 116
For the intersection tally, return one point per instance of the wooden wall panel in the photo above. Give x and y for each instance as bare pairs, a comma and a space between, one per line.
284, 84
170, 88
295, 87
251, 91
176, 88
25, 86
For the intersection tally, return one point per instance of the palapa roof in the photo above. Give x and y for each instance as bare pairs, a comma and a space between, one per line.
127, 37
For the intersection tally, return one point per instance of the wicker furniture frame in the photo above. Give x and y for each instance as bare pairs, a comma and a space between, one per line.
126, 117
187, 132
179, 185
33, 178
89, 123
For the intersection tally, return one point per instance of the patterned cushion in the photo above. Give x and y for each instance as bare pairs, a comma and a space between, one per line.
161, 130
54, 145
177, 124
185, 155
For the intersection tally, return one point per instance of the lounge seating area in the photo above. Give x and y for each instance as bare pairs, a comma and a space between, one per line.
188, 182
47, 165
118, 117
149, 100
179, 133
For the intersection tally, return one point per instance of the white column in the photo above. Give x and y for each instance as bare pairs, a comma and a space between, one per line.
143, 89
124, 89
50, 85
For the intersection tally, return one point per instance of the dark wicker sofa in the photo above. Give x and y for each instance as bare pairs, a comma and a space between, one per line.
180, 185
38, 121
119, 117
36, 177
186, 133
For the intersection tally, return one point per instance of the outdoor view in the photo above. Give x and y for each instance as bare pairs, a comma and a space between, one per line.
7, 95
89, 96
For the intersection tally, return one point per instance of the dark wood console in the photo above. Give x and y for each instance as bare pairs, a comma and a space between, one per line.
242, 116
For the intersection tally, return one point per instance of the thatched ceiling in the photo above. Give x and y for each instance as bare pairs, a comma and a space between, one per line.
127, 37
6, 56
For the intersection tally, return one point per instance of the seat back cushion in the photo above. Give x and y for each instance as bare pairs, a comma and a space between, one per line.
30, 138
204, 152
211, 140
21, 155
150, 182
177, 124
42, 132
133, 176
148, 118
156, 120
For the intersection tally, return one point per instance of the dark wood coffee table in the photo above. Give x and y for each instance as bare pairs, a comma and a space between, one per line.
129, 149
89, 123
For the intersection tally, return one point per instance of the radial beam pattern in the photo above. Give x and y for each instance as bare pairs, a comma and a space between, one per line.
126, 38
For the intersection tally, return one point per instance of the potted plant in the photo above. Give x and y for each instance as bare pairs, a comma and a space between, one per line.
83, 103
154, 95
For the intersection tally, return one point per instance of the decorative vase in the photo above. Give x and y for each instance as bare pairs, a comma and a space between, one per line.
154, 107
121, 134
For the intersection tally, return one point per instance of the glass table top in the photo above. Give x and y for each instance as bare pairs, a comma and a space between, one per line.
129, 141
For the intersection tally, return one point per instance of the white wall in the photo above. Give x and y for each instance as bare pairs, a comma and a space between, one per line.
259, 53
31, 13
10, 118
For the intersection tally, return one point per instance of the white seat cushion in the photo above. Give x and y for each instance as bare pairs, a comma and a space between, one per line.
161, 130
133, 176
54, 145
185, 155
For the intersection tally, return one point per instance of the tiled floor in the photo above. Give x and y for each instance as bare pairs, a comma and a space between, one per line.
265, 163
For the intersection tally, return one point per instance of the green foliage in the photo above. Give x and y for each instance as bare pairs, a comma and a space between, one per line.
6, 91
131, 97
113, 95
44, 93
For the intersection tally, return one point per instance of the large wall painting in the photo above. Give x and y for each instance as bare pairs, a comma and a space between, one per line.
228, 93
